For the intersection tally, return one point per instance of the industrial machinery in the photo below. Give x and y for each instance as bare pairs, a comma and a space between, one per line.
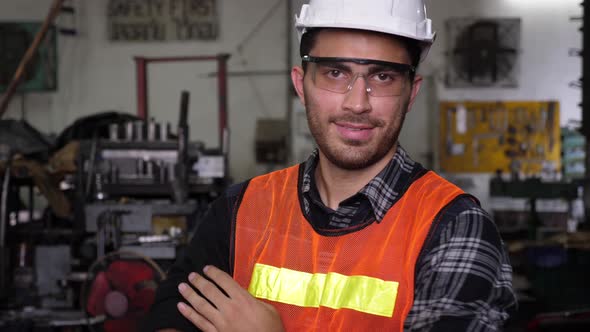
127, 203
165, 181
543, 225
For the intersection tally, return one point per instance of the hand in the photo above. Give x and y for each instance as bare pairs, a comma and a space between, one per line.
236, 311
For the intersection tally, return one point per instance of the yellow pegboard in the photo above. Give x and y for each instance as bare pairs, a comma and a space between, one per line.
521, 136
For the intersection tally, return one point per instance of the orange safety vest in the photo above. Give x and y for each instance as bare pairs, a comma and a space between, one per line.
360, 281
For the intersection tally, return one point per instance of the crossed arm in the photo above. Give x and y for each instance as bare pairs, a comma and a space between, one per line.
227, 308
458, 245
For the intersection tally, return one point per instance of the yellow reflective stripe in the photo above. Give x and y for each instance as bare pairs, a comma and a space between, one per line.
333, 290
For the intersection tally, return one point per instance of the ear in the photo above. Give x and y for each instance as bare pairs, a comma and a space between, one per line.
297, 76
415, 89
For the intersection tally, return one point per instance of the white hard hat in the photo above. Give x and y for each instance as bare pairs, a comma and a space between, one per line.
405, 18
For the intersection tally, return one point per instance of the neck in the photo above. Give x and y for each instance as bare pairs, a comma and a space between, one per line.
336, 184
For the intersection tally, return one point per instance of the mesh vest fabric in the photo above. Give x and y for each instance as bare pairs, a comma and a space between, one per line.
363, 280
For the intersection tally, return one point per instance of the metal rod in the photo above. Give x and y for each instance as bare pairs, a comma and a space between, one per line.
289, 87
183, 133
270, 72
20, 71
31, 202
586, 101
181, 58
4, 205
222, 93
3, 221
142, 89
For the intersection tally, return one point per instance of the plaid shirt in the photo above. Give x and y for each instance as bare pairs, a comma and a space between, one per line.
463, 276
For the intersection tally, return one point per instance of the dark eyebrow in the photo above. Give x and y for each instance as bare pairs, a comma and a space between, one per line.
400, 67
378, 68
336, 65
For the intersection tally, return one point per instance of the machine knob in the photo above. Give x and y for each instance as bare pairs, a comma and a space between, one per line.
116, 304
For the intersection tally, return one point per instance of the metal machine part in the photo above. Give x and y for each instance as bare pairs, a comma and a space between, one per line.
55, 264
139, 160
45, 318
134, 227
142, 173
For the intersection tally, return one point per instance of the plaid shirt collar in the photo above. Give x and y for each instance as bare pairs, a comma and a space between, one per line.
381, 192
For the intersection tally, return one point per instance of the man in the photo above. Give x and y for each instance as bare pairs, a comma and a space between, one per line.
359, 237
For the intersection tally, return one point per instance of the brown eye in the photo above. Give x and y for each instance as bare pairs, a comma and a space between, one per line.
335, 73
385, 77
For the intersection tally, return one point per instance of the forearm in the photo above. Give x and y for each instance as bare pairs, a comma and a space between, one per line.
206, 247
463, 283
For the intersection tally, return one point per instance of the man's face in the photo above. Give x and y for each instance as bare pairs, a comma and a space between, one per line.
355, 130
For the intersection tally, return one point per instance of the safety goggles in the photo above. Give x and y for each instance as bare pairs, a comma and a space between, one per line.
382, 78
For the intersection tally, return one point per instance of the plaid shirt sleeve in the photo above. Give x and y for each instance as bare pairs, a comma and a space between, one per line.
464, 279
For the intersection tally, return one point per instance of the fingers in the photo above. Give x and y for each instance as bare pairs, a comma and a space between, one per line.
209, 290
201, 322
211, 310
210, 307
201, 308
224, 280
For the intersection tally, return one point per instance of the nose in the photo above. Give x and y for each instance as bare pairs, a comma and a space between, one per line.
357, 98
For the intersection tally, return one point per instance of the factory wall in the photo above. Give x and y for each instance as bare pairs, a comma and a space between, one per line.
98, 75
546, 68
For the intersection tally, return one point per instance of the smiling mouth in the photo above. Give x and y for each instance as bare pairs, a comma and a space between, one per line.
354, 126
354, 132
356, 129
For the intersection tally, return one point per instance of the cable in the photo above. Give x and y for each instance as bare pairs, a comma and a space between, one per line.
3, 204
259, 25
240, 47
259, 97
91, 162
3, 213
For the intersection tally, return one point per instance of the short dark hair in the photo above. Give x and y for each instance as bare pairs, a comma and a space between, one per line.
309, 38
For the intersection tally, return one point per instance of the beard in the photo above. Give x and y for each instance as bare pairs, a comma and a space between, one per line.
352, 154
